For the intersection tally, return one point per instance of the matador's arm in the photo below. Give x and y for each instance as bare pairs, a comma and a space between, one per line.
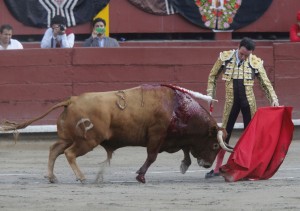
264, 81
213, 77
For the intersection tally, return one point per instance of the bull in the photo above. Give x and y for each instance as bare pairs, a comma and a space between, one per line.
162, 118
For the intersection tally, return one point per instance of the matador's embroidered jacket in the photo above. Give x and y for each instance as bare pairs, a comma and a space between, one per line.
251, 67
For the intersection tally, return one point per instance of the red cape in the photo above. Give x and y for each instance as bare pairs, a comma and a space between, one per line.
263, 146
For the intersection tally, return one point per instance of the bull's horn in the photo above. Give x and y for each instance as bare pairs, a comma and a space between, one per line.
221, 142
228, 146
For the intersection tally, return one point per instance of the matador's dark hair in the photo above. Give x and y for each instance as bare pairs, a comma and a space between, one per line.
247, 43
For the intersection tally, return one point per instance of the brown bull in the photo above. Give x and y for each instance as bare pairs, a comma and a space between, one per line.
158, 117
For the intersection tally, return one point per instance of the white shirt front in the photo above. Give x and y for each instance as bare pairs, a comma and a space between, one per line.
13, 44
49, 41
237, 57
102, 43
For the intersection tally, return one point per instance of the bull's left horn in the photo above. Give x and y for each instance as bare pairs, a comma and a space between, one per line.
221, 142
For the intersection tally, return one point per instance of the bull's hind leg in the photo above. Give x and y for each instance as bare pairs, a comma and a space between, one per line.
79, 148
186, 162
56, 149
99, 177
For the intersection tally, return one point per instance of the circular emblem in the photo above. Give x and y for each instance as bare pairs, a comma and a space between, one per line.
221, 14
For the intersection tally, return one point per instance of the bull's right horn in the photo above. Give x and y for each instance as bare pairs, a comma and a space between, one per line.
221, 142
228, 146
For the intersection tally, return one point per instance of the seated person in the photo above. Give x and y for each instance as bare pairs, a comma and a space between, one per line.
295, 30
58, 36
98, 38
6, 42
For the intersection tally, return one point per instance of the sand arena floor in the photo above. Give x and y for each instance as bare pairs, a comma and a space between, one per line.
23, 186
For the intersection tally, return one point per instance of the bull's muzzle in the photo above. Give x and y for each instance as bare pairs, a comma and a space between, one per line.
204, 163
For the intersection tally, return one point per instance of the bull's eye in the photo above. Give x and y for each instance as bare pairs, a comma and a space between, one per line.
216, 146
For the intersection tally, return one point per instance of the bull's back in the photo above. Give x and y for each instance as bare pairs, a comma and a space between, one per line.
147, 108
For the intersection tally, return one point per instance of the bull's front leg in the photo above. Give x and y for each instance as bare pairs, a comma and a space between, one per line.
157, 136
142, 171
186, 162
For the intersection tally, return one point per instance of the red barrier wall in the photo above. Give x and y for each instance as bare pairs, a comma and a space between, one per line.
287, 74
32, 80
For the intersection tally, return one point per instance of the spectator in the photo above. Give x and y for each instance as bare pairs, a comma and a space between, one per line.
6, 42
98, 38
58, 36
238, 68
295, 30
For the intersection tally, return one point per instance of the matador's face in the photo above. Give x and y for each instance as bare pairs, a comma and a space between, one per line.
243, 53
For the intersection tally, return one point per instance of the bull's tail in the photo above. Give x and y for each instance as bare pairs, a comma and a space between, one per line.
197, 95
12, 126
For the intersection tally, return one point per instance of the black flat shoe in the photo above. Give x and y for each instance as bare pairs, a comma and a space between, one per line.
211, 174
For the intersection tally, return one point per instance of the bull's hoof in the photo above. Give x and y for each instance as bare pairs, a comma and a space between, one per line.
52, 179
141, 178
99, 179
82, 180
183, 168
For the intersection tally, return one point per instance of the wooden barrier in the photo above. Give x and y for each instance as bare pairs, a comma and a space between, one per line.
287, 75
32, 80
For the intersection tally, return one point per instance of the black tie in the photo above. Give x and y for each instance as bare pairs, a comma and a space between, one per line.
240, 63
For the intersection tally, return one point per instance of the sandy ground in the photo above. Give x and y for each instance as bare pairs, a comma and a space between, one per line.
23, 186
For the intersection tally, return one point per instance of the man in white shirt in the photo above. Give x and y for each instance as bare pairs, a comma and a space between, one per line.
6, 42
58, 36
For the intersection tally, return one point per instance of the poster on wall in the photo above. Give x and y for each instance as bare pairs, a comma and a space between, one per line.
210, 14
38, 13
